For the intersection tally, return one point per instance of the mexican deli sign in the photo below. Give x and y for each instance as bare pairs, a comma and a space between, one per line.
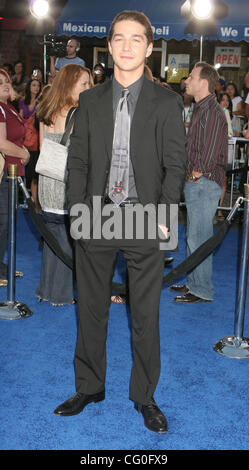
227, 56
100, 28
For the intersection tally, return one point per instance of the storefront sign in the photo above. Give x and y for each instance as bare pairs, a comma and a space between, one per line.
89, 27
227, 56
178, 67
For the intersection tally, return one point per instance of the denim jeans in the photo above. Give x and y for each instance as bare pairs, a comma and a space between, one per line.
202, 199
56, 280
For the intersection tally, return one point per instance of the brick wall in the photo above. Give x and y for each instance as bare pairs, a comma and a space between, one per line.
16, 45
10, 42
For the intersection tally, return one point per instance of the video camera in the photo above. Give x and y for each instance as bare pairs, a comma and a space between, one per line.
54, 47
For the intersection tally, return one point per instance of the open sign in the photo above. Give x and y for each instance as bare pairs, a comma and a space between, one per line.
227, 56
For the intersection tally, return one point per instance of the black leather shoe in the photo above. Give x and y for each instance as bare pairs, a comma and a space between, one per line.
181, 288
77, 403
189, 299
154, 419
168, 260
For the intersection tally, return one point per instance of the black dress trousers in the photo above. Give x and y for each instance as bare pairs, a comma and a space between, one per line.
95, 265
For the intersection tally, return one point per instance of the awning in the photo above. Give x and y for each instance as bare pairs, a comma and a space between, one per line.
93, 18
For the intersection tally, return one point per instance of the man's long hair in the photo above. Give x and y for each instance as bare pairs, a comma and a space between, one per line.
133, 15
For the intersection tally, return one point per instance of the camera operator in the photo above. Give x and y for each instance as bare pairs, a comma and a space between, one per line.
73, 46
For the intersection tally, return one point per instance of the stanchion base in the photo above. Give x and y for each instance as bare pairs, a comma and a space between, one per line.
14, 310
233, 347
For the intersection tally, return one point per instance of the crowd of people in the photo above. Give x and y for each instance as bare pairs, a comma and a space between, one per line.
26, 92
206, 109
25, 95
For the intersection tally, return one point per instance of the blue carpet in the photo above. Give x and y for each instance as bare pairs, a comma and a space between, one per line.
203, 394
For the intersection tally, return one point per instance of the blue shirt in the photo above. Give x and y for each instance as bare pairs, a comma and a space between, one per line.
61, 61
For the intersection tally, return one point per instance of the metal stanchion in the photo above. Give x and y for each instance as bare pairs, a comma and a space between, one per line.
12, 309
237, 347
24, 205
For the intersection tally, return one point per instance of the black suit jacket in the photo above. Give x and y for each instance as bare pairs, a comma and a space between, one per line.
157, 145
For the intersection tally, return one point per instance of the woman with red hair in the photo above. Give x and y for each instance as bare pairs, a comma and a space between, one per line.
56, 280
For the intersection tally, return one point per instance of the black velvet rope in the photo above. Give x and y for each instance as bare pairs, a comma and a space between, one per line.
121, 289
242, 169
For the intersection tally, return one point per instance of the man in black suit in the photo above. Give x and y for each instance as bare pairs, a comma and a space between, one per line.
157, 165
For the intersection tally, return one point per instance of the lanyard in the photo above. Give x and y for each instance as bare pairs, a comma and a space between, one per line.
189, 113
